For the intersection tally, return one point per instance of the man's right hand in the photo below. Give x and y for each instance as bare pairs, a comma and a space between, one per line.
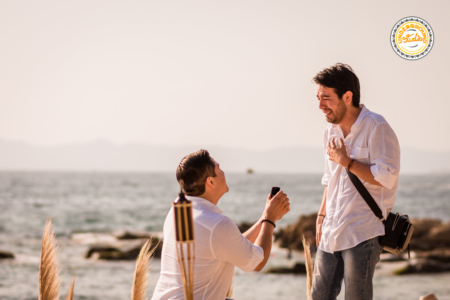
276, 207
320, 217
318, 233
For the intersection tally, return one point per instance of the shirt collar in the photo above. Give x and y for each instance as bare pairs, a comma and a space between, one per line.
362, 115
204, 204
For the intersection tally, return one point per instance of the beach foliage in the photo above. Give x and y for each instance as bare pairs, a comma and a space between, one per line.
49, 280
140, 280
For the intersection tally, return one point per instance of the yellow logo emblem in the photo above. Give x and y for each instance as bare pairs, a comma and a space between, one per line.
412, 38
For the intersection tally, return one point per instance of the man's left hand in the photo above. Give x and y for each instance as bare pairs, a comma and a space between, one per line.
338, 153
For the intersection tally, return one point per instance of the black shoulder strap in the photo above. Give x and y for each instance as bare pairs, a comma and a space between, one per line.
366, 195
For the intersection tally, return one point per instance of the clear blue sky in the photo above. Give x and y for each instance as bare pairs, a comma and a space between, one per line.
232, 73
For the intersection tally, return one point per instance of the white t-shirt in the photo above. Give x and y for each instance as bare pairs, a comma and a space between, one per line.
349, 220
219, 246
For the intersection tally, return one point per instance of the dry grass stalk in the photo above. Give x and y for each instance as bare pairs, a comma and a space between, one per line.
70, 293
49, 281
140, 283
230, 291
309, 268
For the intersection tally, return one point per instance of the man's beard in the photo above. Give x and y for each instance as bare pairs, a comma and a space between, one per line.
338, 114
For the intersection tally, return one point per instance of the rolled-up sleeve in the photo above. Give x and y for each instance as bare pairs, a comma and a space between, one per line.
384, 155
228, 244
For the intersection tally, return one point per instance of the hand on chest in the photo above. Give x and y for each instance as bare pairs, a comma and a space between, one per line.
354, 147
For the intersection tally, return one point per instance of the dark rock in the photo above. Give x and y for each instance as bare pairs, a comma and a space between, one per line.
123, 252
423, 226
430, 234
127, 235
99, 249
442, 255
298, 268
244, 226
440, 235
291, 236
424, 266
429, 297
6, 255
117, 254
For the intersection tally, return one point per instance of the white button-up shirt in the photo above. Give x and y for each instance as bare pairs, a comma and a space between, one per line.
349, 220
219, 246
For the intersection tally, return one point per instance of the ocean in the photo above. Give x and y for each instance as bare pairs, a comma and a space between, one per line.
97, 202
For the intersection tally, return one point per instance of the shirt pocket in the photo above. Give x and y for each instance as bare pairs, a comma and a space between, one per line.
360, 154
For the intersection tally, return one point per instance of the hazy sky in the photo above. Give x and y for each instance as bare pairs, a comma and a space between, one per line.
231, 73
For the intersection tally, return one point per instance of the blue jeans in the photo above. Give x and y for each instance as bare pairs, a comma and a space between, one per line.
355, 266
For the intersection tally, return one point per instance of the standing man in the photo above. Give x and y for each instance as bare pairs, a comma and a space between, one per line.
219, 245
362, 142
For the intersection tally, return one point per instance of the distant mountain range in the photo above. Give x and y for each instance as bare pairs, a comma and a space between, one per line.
106, 156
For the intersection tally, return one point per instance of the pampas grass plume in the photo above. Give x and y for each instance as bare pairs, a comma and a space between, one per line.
230, 291
140, 283
49, 281
70, 293
309, 268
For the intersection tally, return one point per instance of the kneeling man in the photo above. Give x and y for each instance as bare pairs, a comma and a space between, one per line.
219, 245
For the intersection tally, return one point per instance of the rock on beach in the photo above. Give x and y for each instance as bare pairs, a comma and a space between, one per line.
430, 244
6, 255
440, 254
121, 250
298, 268
291, 236
424, 266
123, 245
244, 226
430, 234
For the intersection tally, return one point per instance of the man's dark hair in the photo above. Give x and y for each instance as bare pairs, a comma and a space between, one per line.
193, 171
341, 78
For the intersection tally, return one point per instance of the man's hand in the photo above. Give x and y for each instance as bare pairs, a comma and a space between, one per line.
338, 153
318, 233
276, 207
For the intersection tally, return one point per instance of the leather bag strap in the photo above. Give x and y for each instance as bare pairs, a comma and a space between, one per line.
366, 195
